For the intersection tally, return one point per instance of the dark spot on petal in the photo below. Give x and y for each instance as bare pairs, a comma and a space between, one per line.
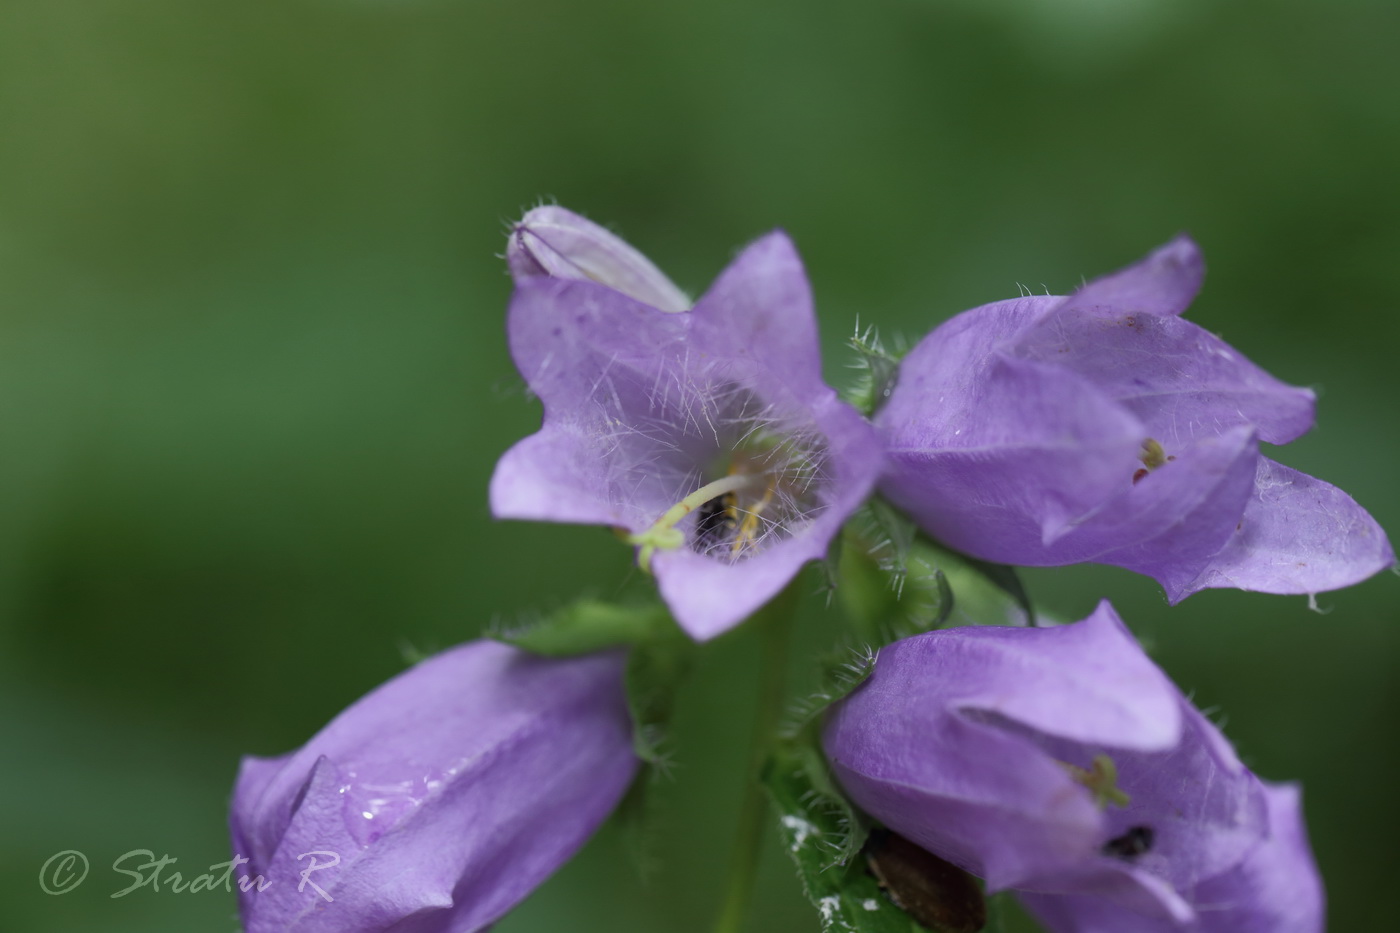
1139, 474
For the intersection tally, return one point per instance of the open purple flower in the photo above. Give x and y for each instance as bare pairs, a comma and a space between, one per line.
1062, 762
707, 435
437, 801
1104, 427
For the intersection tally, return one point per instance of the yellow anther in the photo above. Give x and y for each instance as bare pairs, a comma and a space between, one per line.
1153, 455
1101, 778
749, 527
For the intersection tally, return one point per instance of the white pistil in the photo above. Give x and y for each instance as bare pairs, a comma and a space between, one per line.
663, 535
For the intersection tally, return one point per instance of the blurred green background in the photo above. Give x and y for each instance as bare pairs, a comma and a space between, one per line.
253, 377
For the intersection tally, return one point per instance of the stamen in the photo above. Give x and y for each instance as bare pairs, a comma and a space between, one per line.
1153, 456
1101, 778
748, 528
663, 535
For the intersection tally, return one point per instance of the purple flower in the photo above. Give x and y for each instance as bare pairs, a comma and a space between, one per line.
707, 435
1062, 762
439, 800
1104, 427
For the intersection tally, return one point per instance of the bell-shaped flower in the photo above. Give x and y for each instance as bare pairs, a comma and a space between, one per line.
1274, 889
707, 435
1104, 427
1056, 761
437, 801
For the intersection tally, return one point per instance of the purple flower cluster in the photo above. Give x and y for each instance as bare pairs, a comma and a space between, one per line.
1059, 763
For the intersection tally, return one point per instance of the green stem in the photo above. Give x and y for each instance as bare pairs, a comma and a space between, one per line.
775, 627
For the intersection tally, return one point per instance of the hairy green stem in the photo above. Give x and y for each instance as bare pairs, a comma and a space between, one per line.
774, 622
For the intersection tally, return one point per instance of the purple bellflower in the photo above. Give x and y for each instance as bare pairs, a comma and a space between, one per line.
437, 801
1104, 427
1061, 763
706, 435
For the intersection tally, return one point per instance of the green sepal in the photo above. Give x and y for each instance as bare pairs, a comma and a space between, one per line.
877, 370
583, 627
655, 669
823, 836
894, 582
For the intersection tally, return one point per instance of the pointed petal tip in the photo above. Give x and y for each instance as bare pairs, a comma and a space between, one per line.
1164, 282
1298, 536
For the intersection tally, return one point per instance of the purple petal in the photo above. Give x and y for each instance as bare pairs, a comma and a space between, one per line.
1163, 283
1183, 382
1016, 460
1298, 535
444, 796
1170, 523
1275, 888
553, 242
758, 318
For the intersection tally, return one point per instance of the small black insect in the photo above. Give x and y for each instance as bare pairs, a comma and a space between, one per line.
714, 522
1136, 841
936, 893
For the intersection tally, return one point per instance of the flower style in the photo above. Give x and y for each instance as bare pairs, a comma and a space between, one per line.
1104, 427
1060, 762
707, 435
439, 800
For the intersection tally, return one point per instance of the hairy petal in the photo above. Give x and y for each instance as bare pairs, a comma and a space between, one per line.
1298, 535
1163, 283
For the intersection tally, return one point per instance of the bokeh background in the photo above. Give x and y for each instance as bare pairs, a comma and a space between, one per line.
253, 377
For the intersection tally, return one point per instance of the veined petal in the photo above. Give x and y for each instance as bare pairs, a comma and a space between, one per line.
1033, 450
758, 315
1169, 523
1182, 381
1298, 535
1275, 888
1162, 283
553, 242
